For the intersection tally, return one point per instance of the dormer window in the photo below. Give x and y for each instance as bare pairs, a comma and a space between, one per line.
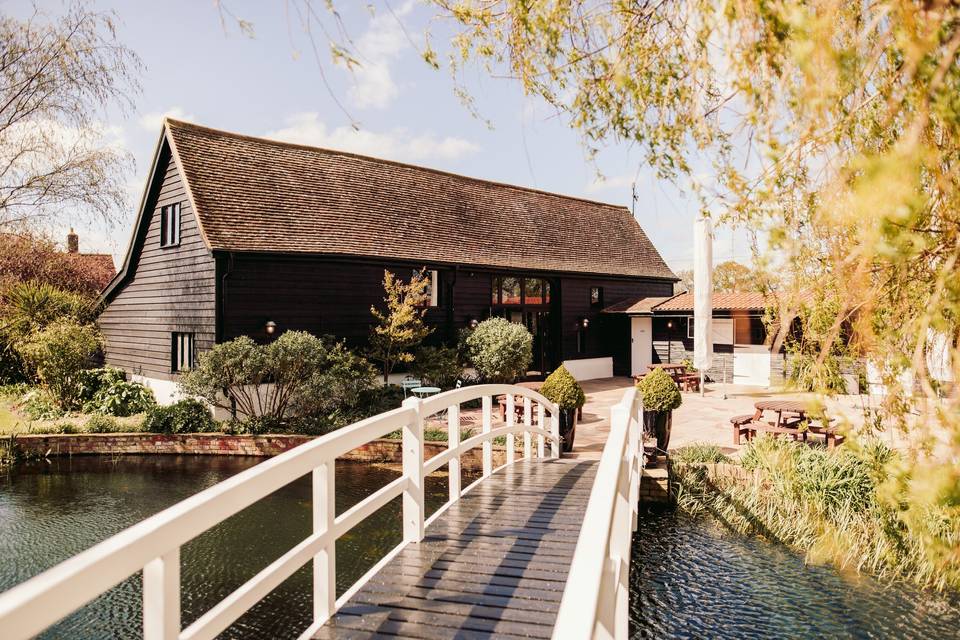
170, 225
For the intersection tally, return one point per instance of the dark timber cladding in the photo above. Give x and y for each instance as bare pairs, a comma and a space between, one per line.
172, 289
493, 565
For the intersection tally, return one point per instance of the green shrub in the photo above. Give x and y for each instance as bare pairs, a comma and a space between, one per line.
660, 392
58, 354
38, 404
258, 425
184, 416
562, 388
102, 424
335, 382
437, 366
28, 307
121, 399
699, 453
90, 381
500, 351
297, 374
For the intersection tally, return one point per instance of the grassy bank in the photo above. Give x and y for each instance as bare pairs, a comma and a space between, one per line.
828, 505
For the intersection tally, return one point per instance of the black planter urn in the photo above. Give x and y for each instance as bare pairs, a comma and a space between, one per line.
568, 428
657, 424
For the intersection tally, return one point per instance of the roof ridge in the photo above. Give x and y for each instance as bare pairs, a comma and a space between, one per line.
408, 165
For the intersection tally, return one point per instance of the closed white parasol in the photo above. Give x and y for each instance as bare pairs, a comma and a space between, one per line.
702, 295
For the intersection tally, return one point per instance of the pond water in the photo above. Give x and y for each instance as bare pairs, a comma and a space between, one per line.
691, 579
50, 511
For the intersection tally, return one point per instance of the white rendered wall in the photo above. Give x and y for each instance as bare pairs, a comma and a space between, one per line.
590, 368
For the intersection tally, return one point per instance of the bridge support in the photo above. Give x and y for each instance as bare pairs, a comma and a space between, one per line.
413, 501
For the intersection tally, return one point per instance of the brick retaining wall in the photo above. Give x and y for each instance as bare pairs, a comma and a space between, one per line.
221, 444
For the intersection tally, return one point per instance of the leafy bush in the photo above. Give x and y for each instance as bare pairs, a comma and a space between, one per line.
58, 355
38, 404
437, 366
90, 381
500, 351
184, 416
699, 453
121, 399
338, 381
99, 423
28, 307
31, 306
297, 374
561, 387
660, 392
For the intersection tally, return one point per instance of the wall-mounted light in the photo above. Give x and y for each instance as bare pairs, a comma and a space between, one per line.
270, 327
473, 323
669, 324
585, 323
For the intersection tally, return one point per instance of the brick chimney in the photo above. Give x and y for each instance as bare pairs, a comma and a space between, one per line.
73, 242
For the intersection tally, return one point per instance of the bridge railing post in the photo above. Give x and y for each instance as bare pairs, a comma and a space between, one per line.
540, 440
487, 426
511, 445
555, 431
453, 442
413, 501
527, 436
635, 451
161, 597
325, 562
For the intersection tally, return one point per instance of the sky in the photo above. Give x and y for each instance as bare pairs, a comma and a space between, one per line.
199, 67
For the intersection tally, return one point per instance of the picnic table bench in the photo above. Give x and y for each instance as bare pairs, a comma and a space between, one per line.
791, 416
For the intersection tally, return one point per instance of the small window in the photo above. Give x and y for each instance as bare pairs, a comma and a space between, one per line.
433, 287
596, 296
496, 292
690, 327
181, 352
170, 225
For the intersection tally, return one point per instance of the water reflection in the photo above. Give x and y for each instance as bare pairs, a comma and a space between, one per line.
690, 579
50, 511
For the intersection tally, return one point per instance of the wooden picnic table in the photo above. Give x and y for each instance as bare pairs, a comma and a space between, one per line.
790, 415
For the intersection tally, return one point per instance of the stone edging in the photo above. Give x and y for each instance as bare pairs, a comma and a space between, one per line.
69, 444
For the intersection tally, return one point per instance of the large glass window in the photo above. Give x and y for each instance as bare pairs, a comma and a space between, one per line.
513, 290
510, 291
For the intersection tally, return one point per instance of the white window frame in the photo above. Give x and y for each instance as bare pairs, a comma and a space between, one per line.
170, 225
690, 327
182, 351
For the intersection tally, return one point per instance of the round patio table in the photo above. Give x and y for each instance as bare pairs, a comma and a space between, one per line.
424, 392
780, 406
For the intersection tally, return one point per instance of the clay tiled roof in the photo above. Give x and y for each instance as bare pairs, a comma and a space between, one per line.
253, 194
736, 301
635, 305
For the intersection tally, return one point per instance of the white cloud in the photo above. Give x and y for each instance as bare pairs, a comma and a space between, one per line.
153, 120
601, 183
378, 48
397, 144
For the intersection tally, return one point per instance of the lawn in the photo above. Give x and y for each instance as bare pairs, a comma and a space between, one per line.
8, 420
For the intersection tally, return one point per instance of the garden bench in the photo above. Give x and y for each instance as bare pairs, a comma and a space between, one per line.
740, 426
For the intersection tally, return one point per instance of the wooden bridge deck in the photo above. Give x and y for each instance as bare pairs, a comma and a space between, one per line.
493, 565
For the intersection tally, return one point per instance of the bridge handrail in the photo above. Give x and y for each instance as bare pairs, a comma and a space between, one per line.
153, 545
595, 602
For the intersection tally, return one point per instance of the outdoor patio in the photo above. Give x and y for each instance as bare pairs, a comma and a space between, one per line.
699, 419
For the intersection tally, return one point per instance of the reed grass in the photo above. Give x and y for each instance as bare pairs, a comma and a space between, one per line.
828, 505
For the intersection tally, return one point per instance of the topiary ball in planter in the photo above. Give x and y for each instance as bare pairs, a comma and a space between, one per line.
562, 388
660, 397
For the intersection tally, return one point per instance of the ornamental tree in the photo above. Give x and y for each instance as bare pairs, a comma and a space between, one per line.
400, 327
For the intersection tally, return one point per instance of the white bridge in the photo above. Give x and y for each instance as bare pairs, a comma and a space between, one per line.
538, 547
